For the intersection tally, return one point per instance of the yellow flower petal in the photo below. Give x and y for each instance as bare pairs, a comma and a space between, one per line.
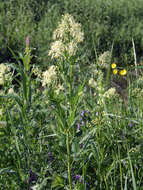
115, 71
113, 65
123, 72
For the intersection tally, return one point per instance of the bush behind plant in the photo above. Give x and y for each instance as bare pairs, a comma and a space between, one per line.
104, 23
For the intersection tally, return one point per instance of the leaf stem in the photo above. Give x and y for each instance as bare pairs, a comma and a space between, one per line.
68, 159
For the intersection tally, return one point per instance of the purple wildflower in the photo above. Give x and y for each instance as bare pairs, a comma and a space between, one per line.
27, 40
77, 177
32, 177
122, 136
81, 145
78, 127
50, 157
81, 180
83, 113
87, 186
130, 124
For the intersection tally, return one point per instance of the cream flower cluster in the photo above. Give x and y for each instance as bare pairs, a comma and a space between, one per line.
49, 76
97, 82
4, 73
68, 29
59, 88
92, 83
67, 35
104, 59
37, 72
57, 49
110, 93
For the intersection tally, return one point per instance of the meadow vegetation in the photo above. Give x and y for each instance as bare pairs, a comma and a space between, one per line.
71, 92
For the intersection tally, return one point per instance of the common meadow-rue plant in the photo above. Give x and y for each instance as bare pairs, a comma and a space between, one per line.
101, 92
66, 38
97, 82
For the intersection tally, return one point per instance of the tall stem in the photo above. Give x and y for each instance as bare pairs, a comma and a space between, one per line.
68, 159
71, 79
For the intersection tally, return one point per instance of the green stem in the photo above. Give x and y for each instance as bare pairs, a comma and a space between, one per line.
69, 161
70, 79
108, 76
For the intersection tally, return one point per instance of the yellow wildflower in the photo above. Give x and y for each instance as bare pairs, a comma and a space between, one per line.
113, 65
115, 71
123, 72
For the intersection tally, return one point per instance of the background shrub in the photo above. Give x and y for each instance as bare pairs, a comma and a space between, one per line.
105, 23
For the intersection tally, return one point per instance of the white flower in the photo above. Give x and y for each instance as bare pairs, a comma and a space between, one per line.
67, 35
71, 48
3, 68
37, 72
92, 83
49, 76
4, 73
104, 59
110, 93
76, 33
0, 111
59, 88
57, 49
10, 91
1, 81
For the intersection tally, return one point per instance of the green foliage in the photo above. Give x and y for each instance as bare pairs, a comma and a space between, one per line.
104, 23
70, 129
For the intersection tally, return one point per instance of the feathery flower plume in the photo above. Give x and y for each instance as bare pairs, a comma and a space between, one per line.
49, 76
104, 59
110, 93
67, 35
4, 73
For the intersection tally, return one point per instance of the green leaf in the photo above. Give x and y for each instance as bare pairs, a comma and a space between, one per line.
75, 146
17, 145
132, 172
24, 84
58, 181
6, 170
